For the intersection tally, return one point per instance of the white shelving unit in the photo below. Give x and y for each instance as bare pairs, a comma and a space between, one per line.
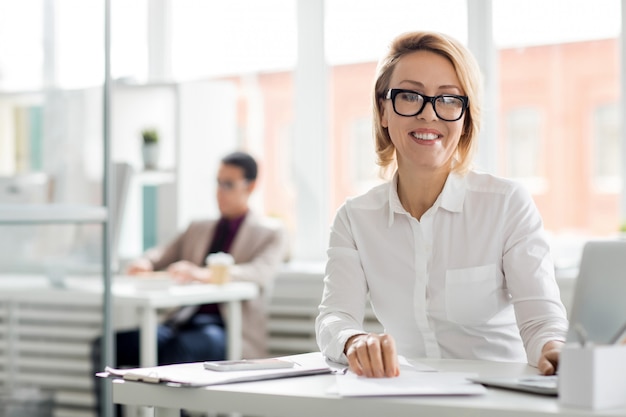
197, 124
51, 213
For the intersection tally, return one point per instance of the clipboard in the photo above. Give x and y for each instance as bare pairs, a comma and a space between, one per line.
194, 374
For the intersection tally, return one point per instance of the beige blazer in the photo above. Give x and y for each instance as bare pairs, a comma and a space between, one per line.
259, 247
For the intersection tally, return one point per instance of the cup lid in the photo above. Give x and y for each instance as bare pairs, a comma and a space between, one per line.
220, 258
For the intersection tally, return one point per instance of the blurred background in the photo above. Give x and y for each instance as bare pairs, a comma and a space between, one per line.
289, 81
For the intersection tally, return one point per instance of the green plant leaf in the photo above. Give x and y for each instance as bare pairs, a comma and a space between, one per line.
150, 135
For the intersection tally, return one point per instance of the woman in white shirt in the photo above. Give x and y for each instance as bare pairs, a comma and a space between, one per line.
454, 262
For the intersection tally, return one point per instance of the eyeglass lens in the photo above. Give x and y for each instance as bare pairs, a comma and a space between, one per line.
226, 185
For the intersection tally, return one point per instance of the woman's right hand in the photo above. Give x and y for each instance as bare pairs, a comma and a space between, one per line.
372, 355
139, 266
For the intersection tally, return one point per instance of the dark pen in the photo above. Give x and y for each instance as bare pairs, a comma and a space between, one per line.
619, 336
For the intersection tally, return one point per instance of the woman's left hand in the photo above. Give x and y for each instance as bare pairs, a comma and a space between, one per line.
549, 360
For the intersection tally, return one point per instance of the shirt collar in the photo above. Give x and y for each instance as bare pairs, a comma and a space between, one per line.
453, 193
450, 199
234, 224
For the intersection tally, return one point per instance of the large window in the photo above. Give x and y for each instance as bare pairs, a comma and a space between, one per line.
51, 77
556, 61
561, 59
357, 34
363, 161
21, 50
557, 77
523, 139
361, 30
606, 130
213, 38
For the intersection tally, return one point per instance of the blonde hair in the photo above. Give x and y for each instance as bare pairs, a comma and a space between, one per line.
469, 75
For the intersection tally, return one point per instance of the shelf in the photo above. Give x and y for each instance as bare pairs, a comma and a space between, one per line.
51, 213
129, 82
155, 177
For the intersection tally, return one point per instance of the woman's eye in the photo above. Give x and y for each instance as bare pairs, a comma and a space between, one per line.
410, 97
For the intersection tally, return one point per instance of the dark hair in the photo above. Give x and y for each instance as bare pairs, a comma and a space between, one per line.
243, 161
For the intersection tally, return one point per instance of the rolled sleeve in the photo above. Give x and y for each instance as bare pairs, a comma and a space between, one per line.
529, 272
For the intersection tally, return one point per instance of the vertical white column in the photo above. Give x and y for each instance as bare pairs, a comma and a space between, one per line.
480, 42
207, 124
160, 69
623, 110
49, 44
254, 137
159, 40
310, 147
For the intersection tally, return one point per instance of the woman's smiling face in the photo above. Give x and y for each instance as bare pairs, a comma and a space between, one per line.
424, 140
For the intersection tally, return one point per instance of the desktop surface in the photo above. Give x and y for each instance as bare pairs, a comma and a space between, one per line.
310, 396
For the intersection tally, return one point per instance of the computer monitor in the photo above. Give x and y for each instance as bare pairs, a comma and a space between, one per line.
599, 306
122, 174
44, 241
31, 188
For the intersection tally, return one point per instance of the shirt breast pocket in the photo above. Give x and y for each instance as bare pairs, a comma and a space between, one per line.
473, 295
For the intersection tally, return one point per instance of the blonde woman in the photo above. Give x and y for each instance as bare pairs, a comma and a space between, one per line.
455, 262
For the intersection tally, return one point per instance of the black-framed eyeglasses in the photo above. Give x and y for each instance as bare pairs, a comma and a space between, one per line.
408, 103
228, 185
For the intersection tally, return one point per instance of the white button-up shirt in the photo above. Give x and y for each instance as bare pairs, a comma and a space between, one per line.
472, 279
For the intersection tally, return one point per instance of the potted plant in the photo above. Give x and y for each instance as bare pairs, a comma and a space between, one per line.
150, 148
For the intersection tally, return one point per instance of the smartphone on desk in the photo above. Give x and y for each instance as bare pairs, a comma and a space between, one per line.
248, 364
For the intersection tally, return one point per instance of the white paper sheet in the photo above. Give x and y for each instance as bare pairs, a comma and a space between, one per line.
410, 382
415, 365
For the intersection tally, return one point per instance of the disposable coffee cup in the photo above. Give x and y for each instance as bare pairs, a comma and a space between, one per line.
219, 265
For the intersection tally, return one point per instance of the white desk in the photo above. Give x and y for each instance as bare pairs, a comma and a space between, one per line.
308, 397
147, 302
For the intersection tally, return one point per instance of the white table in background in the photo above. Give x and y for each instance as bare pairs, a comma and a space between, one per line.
309, 397
147, 301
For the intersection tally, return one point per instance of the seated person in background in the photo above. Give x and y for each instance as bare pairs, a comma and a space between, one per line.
455, 262
258, 246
